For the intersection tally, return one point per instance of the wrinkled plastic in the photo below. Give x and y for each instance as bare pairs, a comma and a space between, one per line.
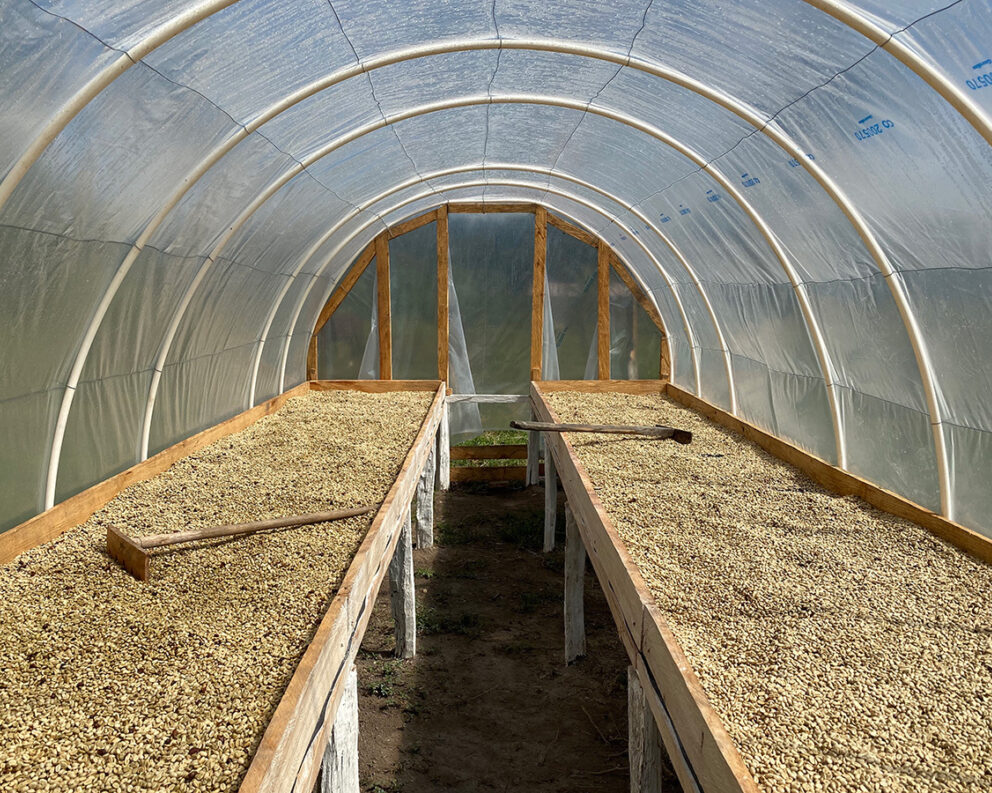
765, 330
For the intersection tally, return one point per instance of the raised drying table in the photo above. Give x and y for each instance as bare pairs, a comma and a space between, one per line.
792, 639
226, 671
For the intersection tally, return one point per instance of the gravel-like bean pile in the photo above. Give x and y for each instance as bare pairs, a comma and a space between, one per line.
845, 649
111, 684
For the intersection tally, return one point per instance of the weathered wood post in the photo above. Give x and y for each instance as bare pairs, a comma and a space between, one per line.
339, 770
533, 455
403, 595
425, 501
644, 741
443, 452
550, 499
575, 568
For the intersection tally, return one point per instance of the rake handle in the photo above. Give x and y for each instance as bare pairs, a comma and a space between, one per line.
679, 436
160, 540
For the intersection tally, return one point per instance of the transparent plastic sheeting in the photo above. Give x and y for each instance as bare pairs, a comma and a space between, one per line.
99, 286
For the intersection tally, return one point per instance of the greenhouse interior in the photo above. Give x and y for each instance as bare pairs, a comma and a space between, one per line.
501, 395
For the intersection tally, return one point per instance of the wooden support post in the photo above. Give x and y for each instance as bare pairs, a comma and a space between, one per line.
345, 286
550, 500
383, 306
603, 311
402, 593
442, 293
537, 293
425, 501
575, 569
312, 358
644, 747
533, 457
339, 770
443, 452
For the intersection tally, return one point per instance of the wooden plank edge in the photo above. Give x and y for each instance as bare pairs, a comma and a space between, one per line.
344, 286
603, 386
282, 746
590, 514
842, 482
374, 386
507, 452
469, 207
481, 474
76, 509
572, 230
412, 224
714, 757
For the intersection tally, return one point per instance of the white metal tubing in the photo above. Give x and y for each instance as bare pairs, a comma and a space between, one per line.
502, 166
568, 103
509, 183
71, 108
858, 20
437, 174
731, 103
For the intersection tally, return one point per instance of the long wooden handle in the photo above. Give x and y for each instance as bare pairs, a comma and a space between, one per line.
679, 436
159, 540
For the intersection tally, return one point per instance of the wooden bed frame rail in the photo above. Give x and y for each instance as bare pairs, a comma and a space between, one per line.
289, 756
292, 748
702, 753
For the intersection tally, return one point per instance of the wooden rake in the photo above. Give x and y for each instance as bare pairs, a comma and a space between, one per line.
133, 552
658, 431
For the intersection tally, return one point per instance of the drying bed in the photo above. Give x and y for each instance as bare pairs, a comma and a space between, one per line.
115, 684
844, 649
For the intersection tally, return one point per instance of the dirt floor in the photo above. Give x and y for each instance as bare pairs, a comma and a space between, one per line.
488, 703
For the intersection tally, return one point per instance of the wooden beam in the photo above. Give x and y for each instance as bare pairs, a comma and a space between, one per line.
550, 501
665, 364
402, 592
507, 452
635, 289
537, 292
487, 474
383, 306
842, 482
339, 770
374, 386
442, 293
603, 310
410, 225
344, 287
312, 358
645, 752
477, 207
75, 510
425, 501
604, 386
575, 573
572, 230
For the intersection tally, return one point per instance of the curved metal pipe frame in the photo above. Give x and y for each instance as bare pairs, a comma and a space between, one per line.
858, 21
522, 167
739, 108
539, 188
298, 167
470, 169
764, 229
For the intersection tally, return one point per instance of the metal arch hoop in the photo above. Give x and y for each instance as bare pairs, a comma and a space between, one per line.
764, 229
502, 166
526, 185
297, 168
538, 188
164, 33
858, 21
